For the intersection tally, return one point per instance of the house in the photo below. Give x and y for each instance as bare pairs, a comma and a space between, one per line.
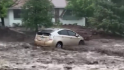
60, 14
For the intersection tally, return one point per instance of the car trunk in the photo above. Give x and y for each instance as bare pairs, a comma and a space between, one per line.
43, 35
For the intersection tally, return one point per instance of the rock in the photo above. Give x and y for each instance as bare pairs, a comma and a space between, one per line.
94, 69
68, 68
121, 69
32, 55
94, 62
33, 66
26, 46
105, 41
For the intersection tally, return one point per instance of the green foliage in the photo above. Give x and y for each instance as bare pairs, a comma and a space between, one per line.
4, 5
16, 24
58, 23
37, 13
75, 24
81, 8
108, 16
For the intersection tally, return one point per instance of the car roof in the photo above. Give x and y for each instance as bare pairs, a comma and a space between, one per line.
54, 29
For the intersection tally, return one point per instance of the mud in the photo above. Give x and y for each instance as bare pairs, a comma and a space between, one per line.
25, 56
91, 33
103, 46
9, 35
21, 34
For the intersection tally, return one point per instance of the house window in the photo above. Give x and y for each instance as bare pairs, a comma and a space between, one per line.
17, 13
68, 15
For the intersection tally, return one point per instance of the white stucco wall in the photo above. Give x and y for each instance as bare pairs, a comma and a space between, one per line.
9, 20
53, 20
12, 20
79, 22
6, 20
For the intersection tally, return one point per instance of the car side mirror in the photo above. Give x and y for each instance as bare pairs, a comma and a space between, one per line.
77, 35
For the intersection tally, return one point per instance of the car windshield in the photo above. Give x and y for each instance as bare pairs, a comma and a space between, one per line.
45, 32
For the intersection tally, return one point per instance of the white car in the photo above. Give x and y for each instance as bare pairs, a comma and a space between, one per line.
58, 37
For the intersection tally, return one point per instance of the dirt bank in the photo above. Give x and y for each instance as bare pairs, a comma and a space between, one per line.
8, 35
20, 34
90, 33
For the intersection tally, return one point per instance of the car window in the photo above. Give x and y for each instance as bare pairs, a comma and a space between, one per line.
45, 32
71, 33
63, 32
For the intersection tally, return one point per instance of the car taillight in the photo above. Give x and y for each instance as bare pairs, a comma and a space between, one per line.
50, 38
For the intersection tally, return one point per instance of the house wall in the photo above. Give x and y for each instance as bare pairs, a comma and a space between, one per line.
79, 22
53, 20
9, 20
12, 20
6, 20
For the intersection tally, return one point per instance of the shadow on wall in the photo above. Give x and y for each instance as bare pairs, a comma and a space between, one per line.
17, 25
0, 24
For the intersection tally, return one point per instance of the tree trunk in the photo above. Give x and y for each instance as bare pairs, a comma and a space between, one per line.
86, 22
56, 15
2, 21
36, 28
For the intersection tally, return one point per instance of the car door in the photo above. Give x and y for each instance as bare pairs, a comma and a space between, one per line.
64, 37
73, 39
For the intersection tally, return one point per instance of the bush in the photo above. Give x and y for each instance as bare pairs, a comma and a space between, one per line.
108, 26
75, 24
58, 23
16, 24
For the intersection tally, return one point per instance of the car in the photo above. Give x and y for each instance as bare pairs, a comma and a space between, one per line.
58, 37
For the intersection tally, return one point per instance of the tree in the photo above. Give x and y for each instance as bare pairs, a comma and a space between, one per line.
108, 16
4, 5
81, 8
37, 12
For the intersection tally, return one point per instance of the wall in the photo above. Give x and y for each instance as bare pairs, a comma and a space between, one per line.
6, 20
12, 20
9, 20
79, 22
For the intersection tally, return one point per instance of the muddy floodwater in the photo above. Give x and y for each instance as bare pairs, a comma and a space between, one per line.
99, 54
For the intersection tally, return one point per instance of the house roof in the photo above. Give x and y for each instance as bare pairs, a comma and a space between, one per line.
57, 4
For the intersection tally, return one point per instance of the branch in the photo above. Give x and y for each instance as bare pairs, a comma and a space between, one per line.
14, 2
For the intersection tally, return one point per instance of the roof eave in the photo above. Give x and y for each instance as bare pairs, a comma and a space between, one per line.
21, 8
59, 7
15, 8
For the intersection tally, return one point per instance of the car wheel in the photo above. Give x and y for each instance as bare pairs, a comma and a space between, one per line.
59, 45
81, 42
